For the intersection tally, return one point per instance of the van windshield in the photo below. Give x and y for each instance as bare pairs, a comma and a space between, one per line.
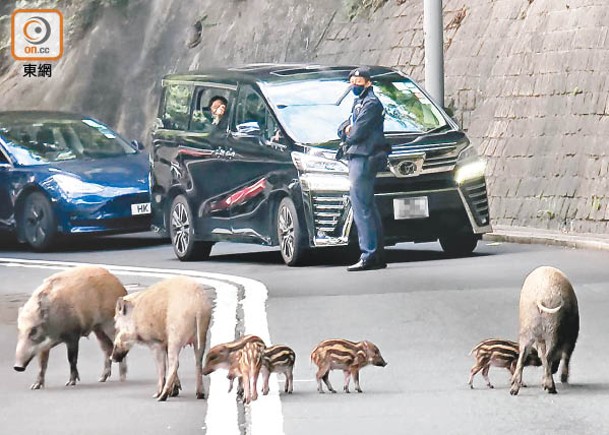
308, 110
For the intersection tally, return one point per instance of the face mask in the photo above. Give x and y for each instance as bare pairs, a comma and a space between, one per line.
358, 89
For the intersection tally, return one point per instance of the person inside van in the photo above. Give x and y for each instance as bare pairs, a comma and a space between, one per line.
217, 107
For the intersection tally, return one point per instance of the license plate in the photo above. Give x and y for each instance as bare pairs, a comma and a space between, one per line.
410, 208
143, 208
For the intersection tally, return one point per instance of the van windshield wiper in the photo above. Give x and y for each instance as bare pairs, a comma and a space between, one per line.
431, 132
343, 95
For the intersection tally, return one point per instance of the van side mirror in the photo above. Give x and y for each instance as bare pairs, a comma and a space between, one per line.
137, 145
251, 128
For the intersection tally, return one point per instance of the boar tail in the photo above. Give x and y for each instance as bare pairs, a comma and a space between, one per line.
545, 309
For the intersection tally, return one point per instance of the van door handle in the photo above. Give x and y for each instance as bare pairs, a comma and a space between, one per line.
219, 152
230, 154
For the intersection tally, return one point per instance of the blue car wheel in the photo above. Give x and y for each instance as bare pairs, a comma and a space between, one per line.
38, 224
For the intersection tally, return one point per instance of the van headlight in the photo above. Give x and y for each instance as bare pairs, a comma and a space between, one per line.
325, 183
312, 163
469, 165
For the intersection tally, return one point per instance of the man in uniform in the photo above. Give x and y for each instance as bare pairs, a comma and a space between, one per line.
366, 150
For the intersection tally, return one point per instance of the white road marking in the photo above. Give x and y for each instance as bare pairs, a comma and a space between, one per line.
265, 415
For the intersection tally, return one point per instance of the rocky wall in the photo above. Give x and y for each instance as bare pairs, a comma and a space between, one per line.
526, 78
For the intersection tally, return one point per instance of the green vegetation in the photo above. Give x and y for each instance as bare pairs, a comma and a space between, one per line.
359, 7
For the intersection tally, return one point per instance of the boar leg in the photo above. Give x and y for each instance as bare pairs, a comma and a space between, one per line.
106, 345
355, 374
347, 375
473, 371
265, 380
255, 374
289, 381
173, 353
525, 347
548, 379
247, 394
198, 371
485, 376
564, 373
160, 356
199, 348
72, 346
324, 374
512, 369
43, 358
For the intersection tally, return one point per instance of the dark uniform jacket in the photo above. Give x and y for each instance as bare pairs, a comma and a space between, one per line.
366, 136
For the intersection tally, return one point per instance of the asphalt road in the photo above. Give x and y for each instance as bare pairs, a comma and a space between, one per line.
425, 312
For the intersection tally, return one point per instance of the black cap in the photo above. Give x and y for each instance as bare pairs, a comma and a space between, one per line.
362, 71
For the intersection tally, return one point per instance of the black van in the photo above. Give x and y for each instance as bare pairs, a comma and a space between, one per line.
266, 172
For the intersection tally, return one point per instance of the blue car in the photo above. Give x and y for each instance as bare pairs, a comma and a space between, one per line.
65, 174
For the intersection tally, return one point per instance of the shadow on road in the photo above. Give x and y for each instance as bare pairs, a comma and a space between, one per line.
336, 256
584, 389
91, 243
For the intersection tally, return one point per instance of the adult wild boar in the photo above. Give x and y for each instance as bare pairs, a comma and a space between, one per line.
549, 320
69, 305
167, 316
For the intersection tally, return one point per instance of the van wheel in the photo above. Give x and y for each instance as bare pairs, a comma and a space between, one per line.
182, 233
459, 245
289, 233
38, 224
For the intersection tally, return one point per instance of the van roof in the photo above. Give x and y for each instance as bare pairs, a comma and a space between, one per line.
273, 72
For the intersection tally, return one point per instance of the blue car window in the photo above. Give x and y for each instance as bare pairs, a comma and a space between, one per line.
61, 140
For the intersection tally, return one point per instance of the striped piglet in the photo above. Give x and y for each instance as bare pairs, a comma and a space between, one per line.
347, 356
243, 359
498, 353
278, 359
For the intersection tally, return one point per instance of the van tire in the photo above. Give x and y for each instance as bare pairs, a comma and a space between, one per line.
460, 245
292, 243
182, 233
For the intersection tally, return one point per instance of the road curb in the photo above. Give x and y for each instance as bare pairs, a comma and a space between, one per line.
545, 237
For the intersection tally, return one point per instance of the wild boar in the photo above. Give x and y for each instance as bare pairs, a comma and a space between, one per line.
549, 320
228, 356
498, 353
168, 316
245, 364
69, 305
346, 355
278, 359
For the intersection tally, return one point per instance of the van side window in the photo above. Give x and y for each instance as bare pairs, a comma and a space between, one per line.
203, 119
176, 112
253, 114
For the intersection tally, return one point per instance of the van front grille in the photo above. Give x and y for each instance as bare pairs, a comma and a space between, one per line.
477, 199
437, 157
328, 210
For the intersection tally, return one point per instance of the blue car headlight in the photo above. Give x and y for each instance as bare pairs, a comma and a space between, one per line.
75, 186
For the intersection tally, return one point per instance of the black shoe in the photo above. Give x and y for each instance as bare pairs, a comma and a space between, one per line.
366, 265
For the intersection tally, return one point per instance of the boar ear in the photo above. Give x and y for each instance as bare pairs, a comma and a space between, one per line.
123, 306
120, 306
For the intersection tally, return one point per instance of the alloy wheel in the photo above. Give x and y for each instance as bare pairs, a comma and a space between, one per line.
286, 232
180, 225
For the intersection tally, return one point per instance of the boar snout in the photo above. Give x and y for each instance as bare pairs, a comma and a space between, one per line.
19, 368
118, 355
